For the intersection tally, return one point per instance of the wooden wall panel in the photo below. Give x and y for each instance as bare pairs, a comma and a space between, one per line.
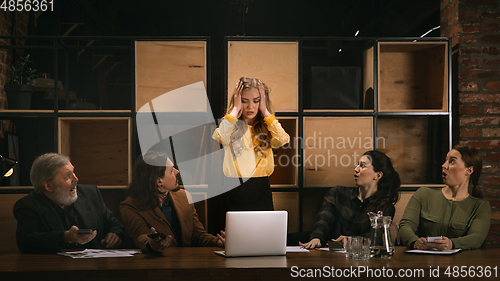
288, 201
311, 203
368, 95
285, 157
99, 149
412, 76
8, 223
437, 74
274, 63
405, 141
163, 66
332, 147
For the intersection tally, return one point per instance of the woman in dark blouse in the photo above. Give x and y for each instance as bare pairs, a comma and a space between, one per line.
344, 210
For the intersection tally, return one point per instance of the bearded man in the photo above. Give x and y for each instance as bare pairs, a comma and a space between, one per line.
61, 214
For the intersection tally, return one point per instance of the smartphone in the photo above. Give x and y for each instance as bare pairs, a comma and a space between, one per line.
156, 235
84, 231
432, 238
335, 245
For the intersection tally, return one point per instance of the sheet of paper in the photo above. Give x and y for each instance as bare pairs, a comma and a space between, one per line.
434, 252
98, 253
298, 249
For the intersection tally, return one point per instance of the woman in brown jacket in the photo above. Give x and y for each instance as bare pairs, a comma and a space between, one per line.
156, 205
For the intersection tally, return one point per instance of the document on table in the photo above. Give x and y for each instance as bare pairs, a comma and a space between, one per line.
298, 249
98, 253
434, 252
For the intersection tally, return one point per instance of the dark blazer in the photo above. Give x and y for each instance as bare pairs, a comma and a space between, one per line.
138, 221
40, 230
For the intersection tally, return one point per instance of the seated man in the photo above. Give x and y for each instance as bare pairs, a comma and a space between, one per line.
48, 219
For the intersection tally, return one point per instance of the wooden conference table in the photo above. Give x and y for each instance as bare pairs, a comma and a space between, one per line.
203, 264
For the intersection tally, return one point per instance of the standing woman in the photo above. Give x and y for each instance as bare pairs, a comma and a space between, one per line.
462, 219
249, 132
344, 210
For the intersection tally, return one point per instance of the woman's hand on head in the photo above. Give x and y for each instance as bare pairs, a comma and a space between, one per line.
262, 104
237, 99
314, 243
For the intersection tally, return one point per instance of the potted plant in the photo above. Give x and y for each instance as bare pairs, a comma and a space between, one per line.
19, 88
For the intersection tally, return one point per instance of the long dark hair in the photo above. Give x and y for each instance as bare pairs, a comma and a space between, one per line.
388, 185
472, 157
146, 172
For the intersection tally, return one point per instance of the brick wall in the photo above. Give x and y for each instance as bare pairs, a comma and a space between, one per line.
474, 26
21, 20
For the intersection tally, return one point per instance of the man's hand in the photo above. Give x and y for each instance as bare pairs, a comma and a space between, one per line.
222, 239
112, 240
71, 236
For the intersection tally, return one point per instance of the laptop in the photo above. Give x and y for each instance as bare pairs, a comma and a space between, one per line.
255, 233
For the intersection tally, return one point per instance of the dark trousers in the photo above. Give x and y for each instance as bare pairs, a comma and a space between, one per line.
253, 195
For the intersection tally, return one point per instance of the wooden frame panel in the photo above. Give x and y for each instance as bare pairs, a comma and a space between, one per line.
311, 204
163, 66
413, 76
8, 223
286, 157
405, 141
99, 148
332, 146
368, 86
288, 201
275, 63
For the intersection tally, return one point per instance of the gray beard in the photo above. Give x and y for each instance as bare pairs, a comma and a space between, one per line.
64, 198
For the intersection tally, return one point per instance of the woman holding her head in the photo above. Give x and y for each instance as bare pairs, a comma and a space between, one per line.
462, 218
249, 131
344, 210
156, 205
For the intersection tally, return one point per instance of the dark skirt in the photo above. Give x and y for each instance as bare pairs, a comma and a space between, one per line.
253, 195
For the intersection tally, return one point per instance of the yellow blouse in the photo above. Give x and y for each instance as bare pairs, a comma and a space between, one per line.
247, 162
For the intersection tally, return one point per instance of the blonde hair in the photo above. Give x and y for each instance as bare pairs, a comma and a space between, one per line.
259, 126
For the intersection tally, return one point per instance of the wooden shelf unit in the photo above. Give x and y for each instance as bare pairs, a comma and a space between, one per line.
332, 147
404, 97
99, 148
402, 107
413, 76
274, 63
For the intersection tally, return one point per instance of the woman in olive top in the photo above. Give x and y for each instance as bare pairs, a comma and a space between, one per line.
249, 132
462, 219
